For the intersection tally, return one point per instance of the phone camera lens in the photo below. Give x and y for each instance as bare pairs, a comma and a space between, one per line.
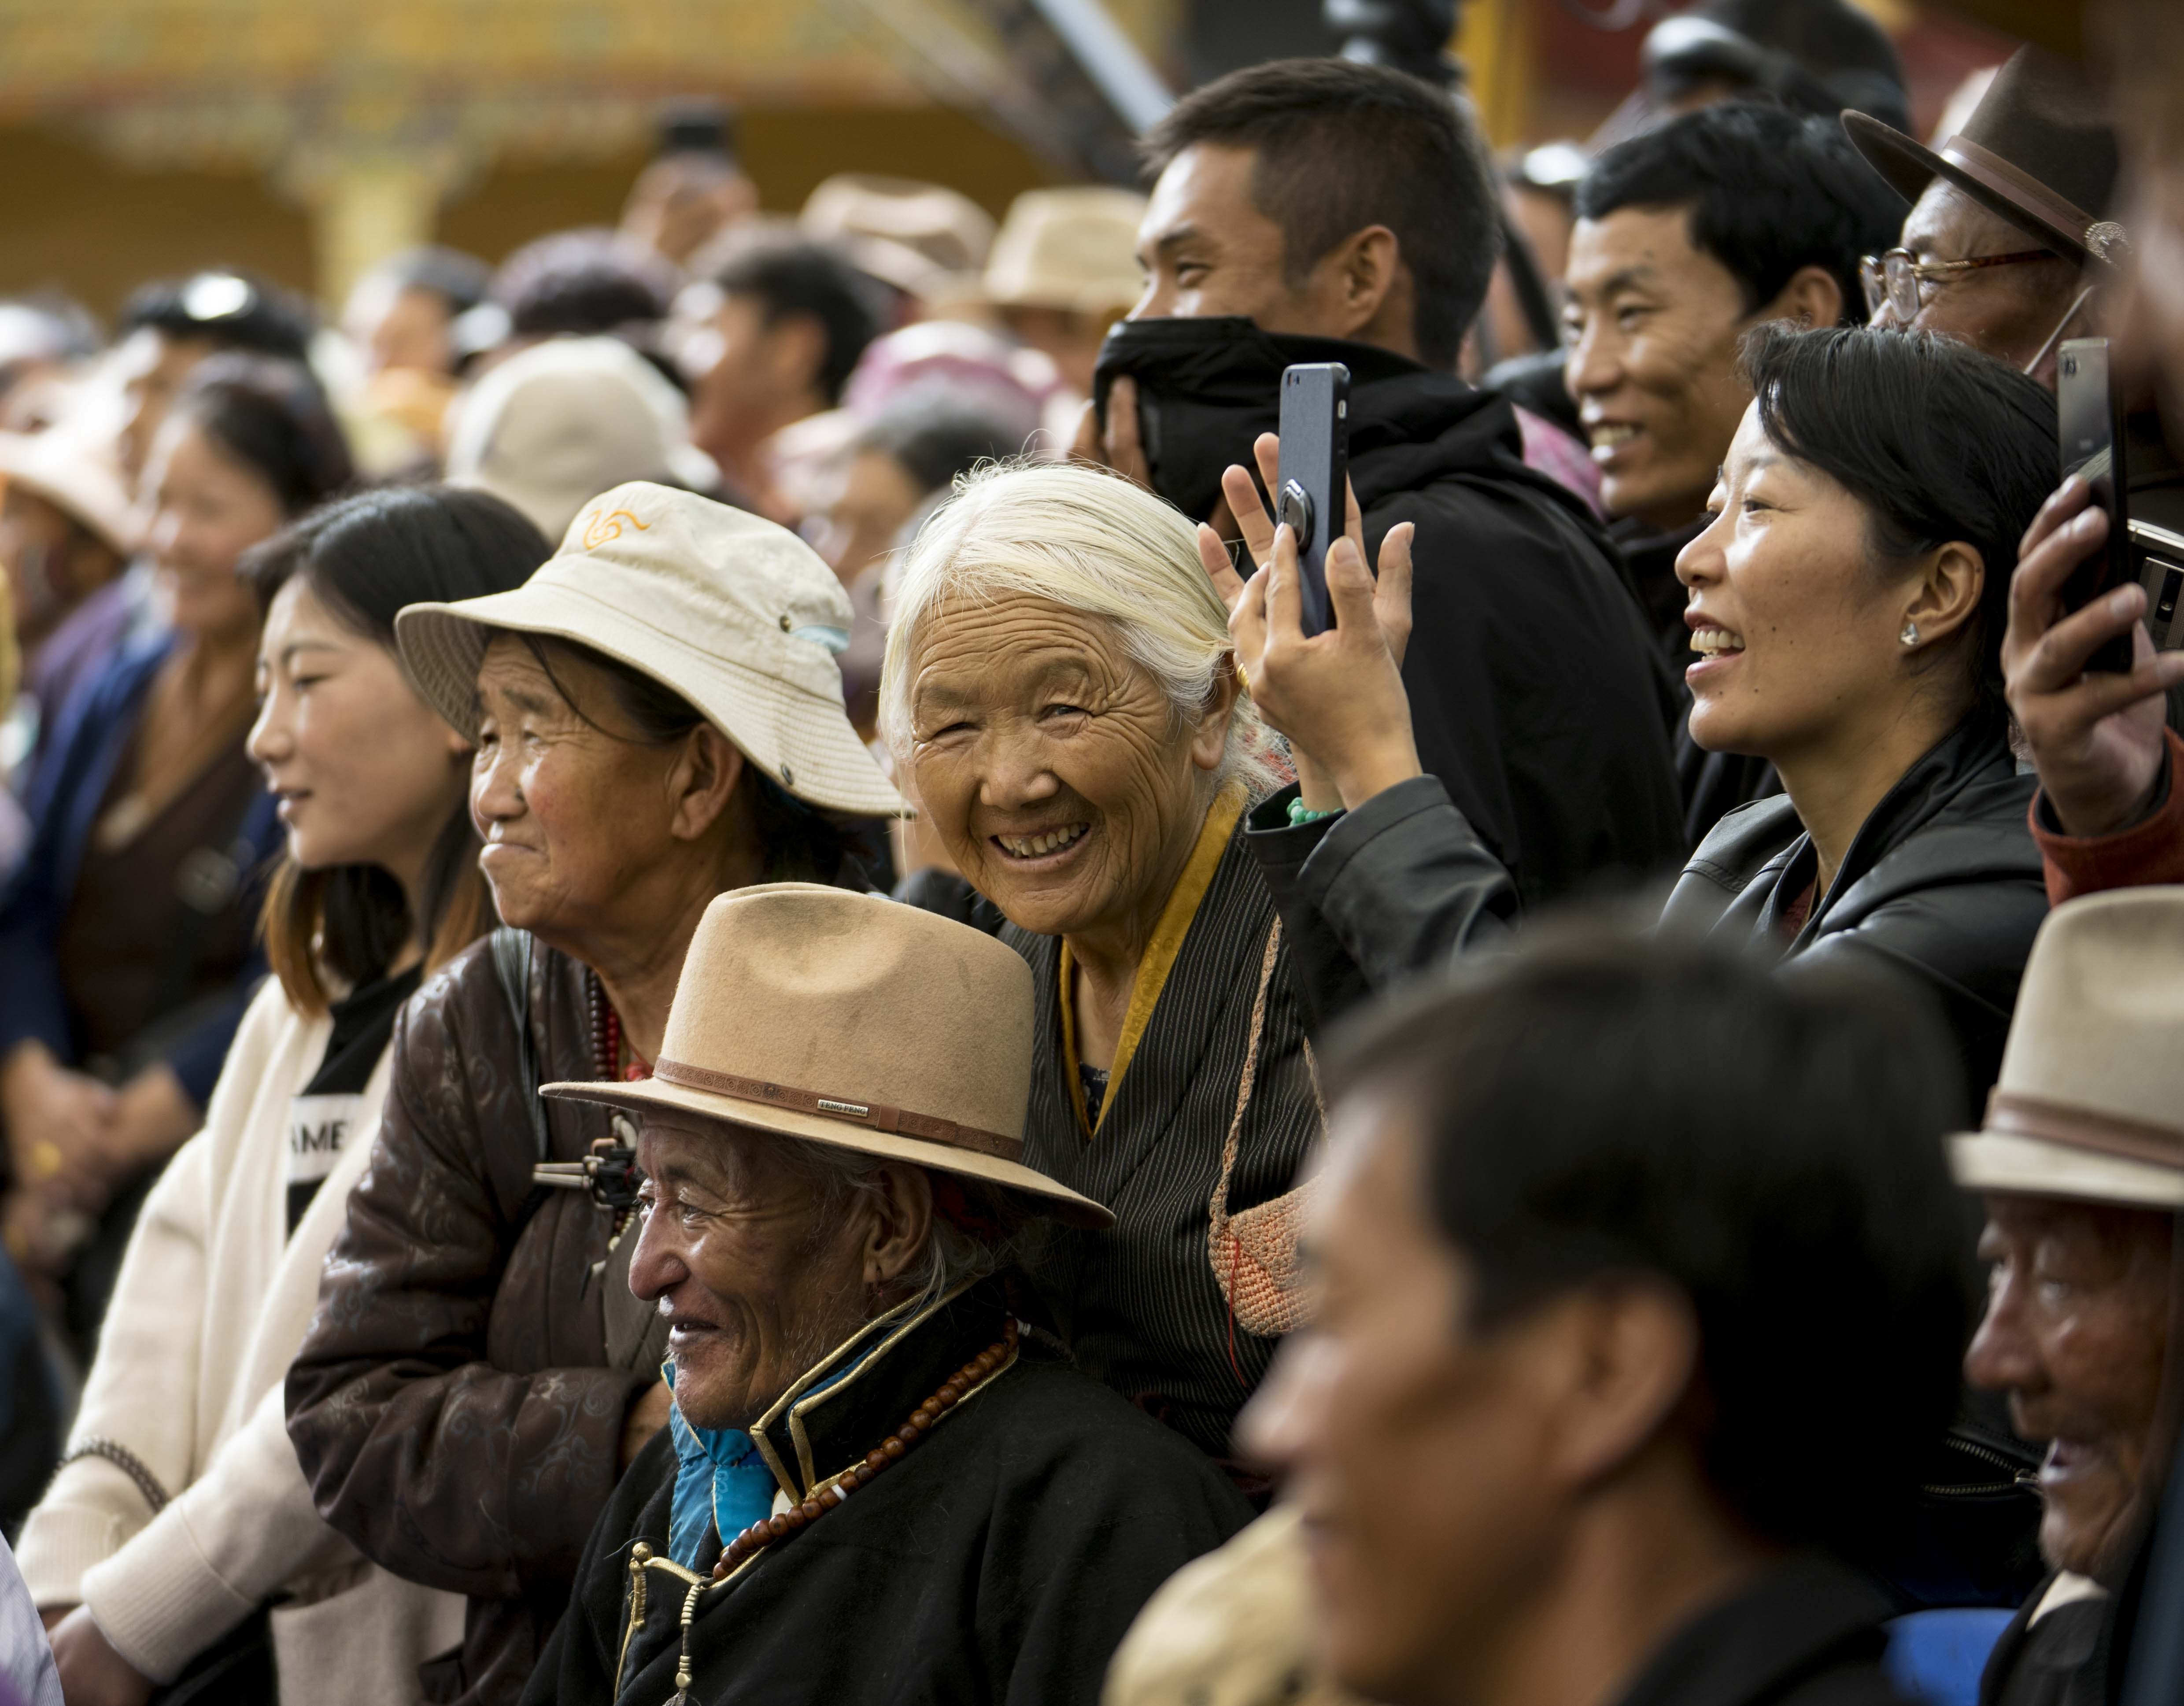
1295, 509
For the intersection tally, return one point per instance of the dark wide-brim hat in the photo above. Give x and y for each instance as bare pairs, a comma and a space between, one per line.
2038, 151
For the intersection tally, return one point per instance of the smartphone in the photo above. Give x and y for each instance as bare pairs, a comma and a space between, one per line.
2091, 426
1313, 481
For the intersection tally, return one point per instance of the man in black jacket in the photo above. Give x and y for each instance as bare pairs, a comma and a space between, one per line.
1555, 1437
1323, 210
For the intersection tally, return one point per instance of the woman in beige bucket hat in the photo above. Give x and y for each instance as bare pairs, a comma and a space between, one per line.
658, 719
831, 1234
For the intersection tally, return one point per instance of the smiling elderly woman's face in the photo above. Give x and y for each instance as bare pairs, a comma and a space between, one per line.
1062, 782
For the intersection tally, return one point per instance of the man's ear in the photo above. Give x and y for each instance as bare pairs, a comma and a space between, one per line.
902, 1222
1630, 1353
702, 781
1811, 297
797, 353
1365, 266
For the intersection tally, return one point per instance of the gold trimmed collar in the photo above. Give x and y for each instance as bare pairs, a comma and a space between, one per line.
1160, 957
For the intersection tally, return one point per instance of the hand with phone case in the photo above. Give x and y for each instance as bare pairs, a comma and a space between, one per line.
2097, 737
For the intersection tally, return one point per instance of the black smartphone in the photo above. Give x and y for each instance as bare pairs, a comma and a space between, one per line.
1314, 480
2091, 426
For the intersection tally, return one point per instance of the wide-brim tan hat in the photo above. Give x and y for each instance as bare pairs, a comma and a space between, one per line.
740, 616
857, 1022
1073, 248
2090, 1105
79, 478
925, 239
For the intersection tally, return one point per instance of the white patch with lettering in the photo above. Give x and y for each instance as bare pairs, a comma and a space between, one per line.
317, 1127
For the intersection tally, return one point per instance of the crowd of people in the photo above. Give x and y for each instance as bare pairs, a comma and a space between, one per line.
709, 886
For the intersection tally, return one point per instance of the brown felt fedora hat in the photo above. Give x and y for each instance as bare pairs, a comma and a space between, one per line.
2090, 1105
2039, 151
855, 1021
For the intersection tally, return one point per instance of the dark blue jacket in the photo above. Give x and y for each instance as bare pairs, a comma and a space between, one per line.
66, 791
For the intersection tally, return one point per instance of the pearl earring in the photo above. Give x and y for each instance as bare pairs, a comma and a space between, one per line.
1910, 635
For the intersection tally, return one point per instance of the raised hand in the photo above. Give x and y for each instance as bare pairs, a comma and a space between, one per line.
2096, 738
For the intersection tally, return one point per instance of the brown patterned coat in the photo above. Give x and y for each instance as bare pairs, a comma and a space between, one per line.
452, 1405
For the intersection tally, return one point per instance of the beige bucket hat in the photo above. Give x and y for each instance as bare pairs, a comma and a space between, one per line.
549, 429
2090, 1101
78, 478
1073, 248
740, 616
855, 1021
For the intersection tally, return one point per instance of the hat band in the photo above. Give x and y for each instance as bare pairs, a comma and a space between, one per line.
2011, 1115
2013, 183
874, 1115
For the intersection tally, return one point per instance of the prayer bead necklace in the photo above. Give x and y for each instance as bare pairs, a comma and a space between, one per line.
606, 1039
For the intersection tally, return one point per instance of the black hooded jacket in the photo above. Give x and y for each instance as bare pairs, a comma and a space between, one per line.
1536, 689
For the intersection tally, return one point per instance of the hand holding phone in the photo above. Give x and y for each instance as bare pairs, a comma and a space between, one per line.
1314, 477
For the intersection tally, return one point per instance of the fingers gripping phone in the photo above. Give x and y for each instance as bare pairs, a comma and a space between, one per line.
1314, 476
2091, 427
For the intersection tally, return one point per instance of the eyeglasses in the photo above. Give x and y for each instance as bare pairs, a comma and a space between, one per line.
1895, 278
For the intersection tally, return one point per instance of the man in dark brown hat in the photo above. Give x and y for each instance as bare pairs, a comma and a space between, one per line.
2009, 244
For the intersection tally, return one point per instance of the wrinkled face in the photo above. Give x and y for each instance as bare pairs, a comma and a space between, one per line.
1412, 1445
152, 368
364, 771
756, 1284
2076, 1330
877, 500
1653, 325
1207, 249
1053, 768
571, 817
2009, 312
1795, 622
210, 507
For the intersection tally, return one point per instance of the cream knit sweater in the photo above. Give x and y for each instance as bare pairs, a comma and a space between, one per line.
213, 1300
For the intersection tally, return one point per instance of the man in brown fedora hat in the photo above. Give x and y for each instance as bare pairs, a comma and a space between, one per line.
876, 1482
2080, 1164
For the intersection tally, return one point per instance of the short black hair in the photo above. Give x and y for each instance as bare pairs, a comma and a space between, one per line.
1768, 191
815, 279
936, 436
582, 283
1938, 441
1338, 146
225, 309
271, 414
458, 280
1606, 1101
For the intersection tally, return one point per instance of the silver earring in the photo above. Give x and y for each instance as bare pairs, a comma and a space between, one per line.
1910, 635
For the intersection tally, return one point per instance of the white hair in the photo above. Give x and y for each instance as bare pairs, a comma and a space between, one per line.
1095, 544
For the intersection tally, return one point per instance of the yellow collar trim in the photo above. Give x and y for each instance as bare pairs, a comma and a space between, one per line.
1174, 924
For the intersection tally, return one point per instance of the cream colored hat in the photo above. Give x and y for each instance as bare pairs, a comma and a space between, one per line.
922, 238
740, 616
550, 429
1068, 248
2090, 1101
855, 1021
78, 478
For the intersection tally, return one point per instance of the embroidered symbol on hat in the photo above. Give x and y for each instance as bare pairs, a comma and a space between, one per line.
605, 525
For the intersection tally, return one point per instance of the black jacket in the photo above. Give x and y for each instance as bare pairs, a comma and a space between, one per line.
2061, 1660
1803, 1632
1001, 1559
1537, 696
1942, 881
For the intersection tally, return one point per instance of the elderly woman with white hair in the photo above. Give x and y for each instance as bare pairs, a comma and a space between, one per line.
1061, 693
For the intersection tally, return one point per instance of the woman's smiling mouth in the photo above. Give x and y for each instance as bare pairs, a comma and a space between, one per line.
1045, 844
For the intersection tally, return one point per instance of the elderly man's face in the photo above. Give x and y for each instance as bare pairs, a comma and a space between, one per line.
2009, 312
1053, 768
2076, 1326
755, 1282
